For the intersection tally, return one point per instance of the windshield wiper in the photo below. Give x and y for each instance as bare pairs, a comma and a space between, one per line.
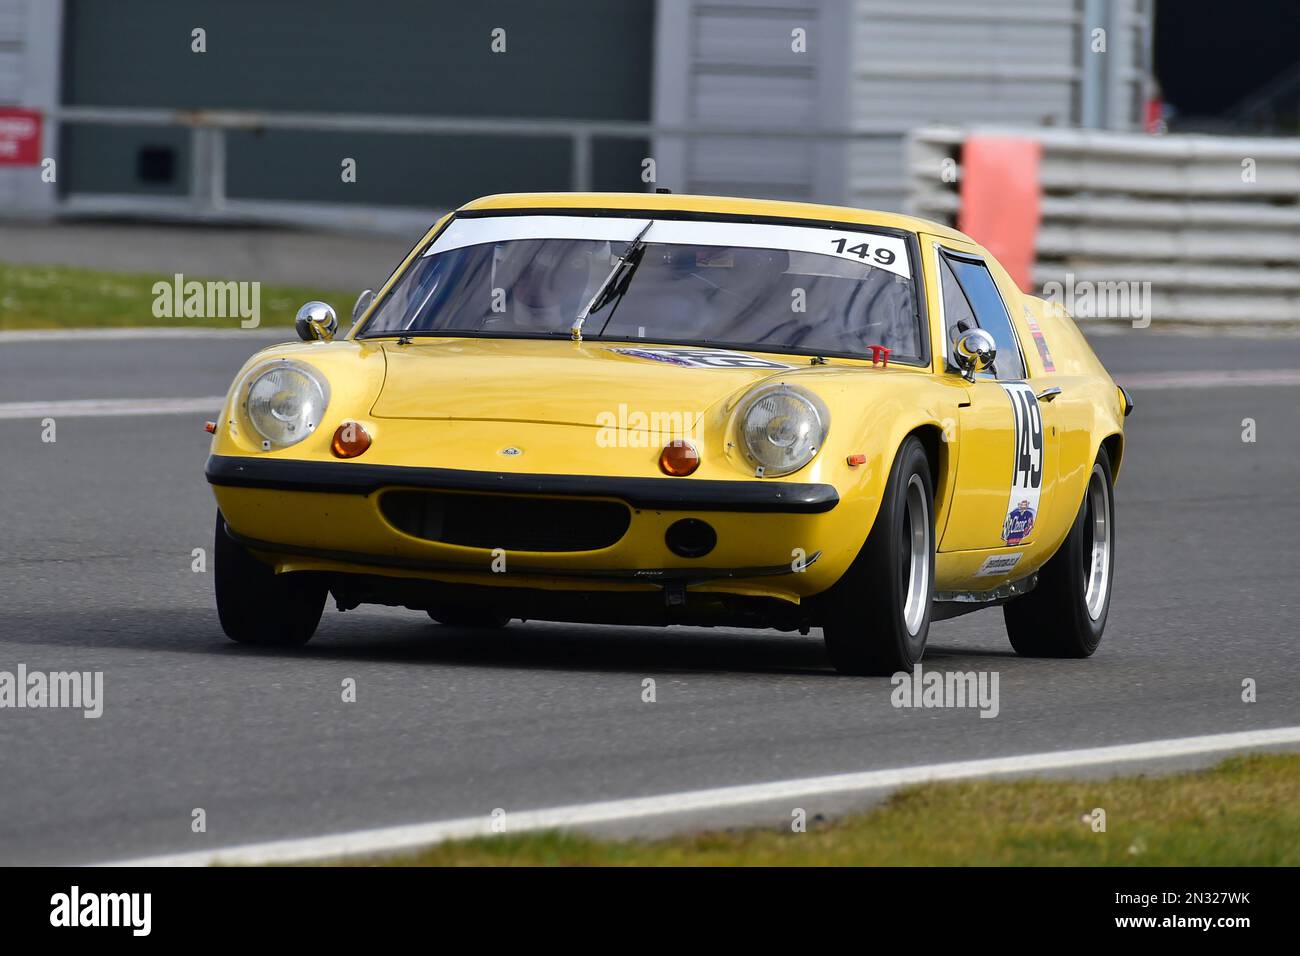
615, 283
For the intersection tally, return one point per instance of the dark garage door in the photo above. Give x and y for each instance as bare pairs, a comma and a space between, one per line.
584, 59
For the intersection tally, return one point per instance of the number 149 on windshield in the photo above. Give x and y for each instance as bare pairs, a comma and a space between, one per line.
863, 251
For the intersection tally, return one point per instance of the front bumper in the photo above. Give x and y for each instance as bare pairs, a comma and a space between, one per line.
660, 494
774, 538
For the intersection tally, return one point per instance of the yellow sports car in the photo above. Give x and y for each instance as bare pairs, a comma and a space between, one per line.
657, 409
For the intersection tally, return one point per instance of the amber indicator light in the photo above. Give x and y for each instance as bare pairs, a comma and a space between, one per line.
350, 440
679, 458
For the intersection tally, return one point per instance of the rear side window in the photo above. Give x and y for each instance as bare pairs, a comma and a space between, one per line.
971, 297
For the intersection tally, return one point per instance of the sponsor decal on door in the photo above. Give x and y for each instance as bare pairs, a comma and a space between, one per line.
1027, 466
998, 564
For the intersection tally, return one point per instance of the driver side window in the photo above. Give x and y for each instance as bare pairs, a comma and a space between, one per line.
971, 300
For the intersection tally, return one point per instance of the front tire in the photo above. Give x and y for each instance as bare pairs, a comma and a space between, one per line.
876, 619
1065, 614
258, 606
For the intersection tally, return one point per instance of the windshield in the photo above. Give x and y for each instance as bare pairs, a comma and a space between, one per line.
765, 287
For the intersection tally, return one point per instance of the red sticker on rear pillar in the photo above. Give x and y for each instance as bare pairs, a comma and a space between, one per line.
1000, 194
1041, 341
20, 137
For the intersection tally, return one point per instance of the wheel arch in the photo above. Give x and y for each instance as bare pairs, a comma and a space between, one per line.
868, 491
1114, 445
943, 468
931, 436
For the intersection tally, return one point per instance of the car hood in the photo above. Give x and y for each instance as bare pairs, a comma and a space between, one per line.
563, 382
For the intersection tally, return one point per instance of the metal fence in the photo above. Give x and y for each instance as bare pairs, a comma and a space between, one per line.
1211, 222
208, 199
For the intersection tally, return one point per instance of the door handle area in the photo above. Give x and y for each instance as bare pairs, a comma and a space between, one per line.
1048, 394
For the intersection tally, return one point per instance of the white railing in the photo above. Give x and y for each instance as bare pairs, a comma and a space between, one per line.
1211, 222
207, 198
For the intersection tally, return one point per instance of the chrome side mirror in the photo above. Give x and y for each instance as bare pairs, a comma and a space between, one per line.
974, 351
316, 320
363, 303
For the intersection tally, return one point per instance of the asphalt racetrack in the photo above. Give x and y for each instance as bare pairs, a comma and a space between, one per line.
96, 535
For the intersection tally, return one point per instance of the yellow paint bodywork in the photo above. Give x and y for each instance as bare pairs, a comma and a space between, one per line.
447, 402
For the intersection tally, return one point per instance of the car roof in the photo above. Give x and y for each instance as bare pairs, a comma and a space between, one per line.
732, 206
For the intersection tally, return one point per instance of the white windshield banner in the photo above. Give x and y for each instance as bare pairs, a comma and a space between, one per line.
879, 251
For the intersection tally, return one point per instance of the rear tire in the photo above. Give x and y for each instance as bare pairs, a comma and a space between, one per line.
258, 606
1065, 615
469, 617
876, 618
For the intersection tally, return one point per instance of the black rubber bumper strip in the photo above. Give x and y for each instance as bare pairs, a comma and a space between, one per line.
654, 494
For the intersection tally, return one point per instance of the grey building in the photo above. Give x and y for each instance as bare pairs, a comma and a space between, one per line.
878, 68
823, 91
29, 76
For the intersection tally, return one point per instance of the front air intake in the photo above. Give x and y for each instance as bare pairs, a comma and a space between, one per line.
508, 522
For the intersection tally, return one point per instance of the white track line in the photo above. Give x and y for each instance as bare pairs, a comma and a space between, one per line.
1222, 378
177, 406
143, 332
105, 407
399, 838
87, 408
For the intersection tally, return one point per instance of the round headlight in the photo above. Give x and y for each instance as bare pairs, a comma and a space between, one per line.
285, 402
782, 428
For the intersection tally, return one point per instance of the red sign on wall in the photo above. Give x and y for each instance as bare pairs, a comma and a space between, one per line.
20, 137
1000, 195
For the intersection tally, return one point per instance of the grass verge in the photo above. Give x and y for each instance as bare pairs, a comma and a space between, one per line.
61, 297
1242, 812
